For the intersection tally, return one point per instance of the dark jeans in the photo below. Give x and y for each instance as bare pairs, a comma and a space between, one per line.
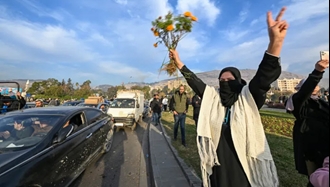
196, 121
180, 119
165, 107
156, 118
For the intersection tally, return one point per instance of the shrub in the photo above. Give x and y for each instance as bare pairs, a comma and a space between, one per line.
281, 126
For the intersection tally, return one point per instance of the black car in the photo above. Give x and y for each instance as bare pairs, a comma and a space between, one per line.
51, 146
72, 103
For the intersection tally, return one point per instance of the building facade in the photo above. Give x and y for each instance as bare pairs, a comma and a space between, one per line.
287, 84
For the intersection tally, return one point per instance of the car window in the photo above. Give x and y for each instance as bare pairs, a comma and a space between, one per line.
93, 115
77, 121
21, 131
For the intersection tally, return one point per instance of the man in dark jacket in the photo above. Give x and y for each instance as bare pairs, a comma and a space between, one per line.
156, 108
8, 103
179, 105
196, 103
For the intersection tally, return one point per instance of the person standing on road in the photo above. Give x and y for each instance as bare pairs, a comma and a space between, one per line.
156, 109
231, 141
179, 106
196, 102
165, 103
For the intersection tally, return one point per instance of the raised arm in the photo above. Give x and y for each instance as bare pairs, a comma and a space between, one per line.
269, 69
20, 99
196, 84
309, 85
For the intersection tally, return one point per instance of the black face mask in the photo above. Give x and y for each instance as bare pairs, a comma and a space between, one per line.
229, 91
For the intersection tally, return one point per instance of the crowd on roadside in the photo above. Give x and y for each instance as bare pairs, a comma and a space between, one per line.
231, 141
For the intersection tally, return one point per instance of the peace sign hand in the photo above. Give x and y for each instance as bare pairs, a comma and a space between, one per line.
277, 28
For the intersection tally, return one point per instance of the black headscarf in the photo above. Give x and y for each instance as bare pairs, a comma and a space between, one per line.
229, 90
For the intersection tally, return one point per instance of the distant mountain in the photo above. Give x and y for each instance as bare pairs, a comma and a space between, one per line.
103, 87
142, 84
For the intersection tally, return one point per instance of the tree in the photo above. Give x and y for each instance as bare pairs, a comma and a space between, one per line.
52, 88
146, 90
86, 85
63, 83
85, 90
77, 85
136, 87
69, 87
112, 91
121, 87
37, 88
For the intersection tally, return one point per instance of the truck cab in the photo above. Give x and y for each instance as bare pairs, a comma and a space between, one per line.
127, 108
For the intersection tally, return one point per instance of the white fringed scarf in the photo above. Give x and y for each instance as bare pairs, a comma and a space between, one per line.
247, 133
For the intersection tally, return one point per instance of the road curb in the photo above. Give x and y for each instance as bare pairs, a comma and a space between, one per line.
190, 174
153, 182
147, 160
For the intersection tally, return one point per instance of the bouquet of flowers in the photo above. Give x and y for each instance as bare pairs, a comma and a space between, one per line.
169, 30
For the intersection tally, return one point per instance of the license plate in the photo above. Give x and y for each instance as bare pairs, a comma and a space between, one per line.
119, 124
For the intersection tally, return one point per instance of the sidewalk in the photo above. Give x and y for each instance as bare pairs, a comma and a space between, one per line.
168, 169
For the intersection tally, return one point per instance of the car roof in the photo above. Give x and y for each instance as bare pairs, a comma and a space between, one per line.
73, 101
56, 110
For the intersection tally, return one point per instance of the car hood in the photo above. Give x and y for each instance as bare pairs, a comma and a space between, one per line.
7, 157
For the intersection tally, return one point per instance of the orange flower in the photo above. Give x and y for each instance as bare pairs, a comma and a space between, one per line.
170, 27
193, 18
155, 44
188, 14
156, 33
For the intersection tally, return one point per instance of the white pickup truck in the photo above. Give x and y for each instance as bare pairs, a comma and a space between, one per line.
127, 108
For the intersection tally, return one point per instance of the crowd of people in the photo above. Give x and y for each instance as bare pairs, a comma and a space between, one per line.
231, 141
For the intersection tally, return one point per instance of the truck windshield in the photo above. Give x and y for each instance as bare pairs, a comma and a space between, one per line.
123, 103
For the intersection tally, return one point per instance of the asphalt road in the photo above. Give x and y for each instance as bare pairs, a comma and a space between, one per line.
126, 164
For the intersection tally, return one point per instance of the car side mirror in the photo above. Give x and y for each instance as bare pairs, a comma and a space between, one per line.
63, 133
138, 105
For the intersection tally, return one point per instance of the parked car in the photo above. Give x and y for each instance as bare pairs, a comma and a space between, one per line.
76, 135
72, 103
94, 105
30, 105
